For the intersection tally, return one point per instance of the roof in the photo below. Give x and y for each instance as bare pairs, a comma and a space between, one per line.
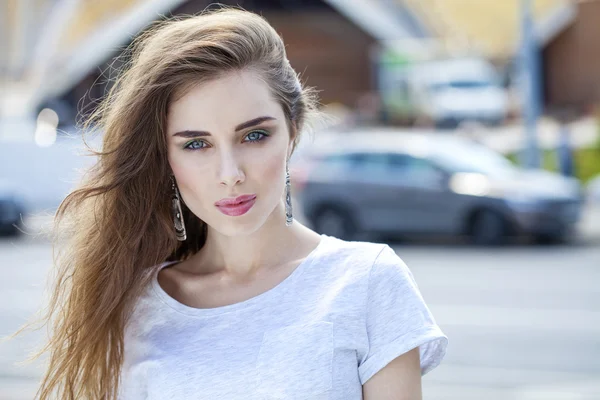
96, 32
381, 20
488, 26
101, 28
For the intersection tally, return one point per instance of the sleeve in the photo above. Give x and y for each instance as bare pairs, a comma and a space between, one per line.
397, 318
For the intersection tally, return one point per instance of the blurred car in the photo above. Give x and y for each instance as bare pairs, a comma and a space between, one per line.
449, 92
11, 209
427, 183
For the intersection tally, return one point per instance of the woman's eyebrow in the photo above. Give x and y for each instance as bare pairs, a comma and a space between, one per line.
191, 134
242, 126
253, 122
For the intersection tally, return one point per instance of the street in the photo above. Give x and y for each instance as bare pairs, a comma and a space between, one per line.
523, 322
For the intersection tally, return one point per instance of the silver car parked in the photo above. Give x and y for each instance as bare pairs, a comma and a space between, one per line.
423, 183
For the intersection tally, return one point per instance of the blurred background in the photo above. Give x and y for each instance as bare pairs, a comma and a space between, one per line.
465, 133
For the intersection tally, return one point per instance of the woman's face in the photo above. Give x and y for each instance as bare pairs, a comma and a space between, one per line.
226, 138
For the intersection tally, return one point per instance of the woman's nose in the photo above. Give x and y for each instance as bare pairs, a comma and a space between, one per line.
231, 172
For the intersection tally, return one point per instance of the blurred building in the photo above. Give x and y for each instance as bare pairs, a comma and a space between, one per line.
567, 32
18, 19
329, 50
329, 42
61, 53
488, 28
571, 60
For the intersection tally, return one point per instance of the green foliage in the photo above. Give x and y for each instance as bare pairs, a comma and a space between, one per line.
587, 161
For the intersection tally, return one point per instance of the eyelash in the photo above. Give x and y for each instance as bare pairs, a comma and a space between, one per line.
264, 134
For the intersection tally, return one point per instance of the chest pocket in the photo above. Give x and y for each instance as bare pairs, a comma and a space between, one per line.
295, 362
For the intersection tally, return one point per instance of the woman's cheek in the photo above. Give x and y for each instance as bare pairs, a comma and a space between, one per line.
273, 169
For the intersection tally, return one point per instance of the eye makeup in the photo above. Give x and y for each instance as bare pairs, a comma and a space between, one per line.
254, 136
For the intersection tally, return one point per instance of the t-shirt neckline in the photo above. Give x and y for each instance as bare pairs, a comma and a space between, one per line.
259, 299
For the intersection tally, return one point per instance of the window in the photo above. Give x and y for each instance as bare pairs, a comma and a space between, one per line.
414, 169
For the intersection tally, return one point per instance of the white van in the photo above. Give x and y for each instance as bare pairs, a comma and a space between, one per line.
448, 92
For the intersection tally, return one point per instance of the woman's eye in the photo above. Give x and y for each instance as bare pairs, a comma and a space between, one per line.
255, 136
195, 144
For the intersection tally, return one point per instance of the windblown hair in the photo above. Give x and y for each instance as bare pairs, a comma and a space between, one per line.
117, 224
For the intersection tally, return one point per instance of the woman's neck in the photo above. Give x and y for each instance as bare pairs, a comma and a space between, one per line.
245, 256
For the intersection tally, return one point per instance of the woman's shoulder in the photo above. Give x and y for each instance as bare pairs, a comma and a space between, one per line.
353, 251
358, 257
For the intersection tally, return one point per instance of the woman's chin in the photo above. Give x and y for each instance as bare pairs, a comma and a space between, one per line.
239, 226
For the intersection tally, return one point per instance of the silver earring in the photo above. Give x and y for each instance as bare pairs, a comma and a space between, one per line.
177, 214
288, 197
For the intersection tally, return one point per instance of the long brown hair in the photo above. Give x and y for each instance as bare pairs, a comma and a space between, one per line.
117, 224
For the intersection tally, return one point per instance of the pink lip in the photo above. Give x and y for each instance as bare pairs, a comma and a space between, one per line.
236, 207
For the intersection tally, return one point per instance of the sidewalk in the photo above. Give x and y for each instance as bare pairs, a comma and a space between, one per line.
458, 382
589, 225
511, 138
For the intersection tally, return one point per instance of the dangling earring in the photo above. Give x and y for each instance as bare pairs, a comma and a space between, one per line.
177, 214
288, 197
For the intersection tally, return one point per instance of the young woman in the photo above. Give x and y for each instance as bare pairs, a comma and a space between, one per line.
183, 274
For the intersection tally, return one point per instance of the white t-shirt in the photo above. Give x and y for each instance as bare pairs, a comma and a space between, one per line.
343, 314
